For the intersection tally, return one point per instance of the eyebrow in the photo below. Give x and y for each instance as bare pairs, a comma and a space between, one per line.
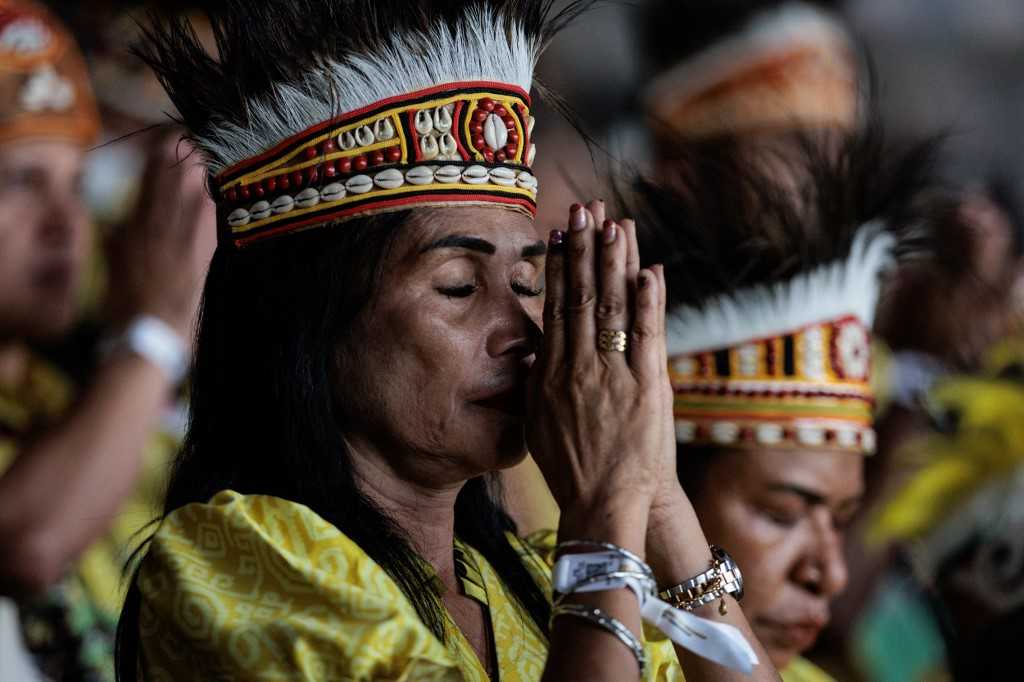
538, 248
461, 241
811, 497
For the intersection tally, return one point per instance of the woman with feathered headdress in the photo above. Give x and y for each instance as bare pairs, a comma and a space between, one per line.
773, 277
369, 358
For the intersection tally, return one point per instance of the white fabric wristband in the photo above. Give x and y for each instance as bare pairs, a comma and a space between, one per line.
599, 571
154, 340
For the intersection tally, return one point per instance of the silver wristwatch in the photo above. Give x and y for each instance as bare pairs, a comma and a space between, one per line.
722, 578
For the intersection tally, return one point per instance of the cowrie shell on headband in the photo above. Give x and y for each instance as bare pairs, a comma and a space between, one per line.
307, 197
260, 210
359, 184
238, 217
333, 192
389, 179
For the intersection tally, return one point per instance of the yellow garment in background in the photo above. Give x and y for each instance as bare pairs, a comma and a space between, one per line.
38, 402
252, 587
802, 670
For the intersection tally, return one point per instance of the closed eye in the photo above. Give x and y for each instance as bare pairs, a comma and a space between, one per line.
458, 292
524, 290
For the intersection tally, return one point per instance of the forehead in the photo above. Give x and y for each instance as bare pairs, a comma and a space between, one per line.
832, 474
509, 231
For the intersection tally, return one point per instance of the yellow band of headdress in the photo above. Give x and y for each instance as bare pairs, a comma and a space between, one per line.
455, 144
807, 388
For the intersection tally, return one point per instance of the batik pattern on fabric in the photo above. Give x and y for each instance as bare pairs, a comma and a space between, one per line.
260, 588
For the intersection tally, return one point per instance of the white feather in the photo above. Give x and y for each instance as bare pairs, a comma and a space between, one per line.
484, 47
829, 292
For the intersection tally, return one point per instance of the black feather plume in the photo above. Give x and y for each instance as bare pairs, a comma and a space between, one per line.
726, 216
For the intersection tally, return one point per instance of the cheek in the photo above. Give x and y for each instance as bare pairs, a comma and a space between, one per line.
417, 377
762, 549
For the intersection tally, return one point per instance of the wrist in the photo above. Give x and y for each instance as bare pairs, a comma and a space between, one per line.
622, 522
155, 341
670, 508
676, 547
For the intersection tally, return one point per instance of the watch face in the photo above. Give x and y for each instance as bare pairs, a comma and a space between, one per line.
723, 556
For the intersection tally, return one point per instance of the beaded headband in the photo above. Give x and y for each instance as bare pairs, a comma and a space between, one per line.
807, 388
783, 366
455, 144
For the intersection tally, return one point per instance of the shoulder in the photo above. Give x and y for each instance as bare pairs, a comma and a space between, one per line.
260, 587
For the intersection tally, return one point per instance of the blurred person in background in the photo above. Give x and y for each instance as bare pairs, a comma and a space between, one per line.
773, 282
70, 457
747, 70
958, 521
939, 317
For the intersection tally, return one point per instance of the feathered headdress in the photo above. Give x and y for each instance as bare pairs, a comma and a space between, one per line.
314, 111
773, 267
736, 66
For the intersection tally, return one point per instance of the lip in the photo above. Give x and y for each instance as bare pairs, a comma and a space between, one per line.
509, 399
796, 636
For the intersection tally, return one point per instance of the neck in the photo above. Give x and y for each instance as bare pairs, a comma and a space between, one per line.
424, 510
14, 358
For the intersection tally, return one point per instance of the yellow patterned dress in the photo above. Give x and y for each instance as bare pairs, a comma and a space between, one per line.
251, 587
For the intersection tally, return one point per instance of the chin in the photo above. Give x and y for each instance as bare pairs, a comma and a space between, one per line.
506, 447
781, 659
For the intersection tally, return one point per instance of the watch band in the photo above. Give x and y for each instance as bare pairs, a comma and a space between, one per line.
722, 578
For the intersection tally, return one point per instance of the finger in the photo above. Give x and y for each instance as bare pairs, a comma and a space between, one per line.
553, 345
632, 250
659, 270
612, 308
596, 208
645, 348
581, 296
632, 260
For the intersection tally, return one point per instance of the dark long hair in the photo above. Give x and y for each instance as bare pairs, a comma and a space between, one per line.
264, 419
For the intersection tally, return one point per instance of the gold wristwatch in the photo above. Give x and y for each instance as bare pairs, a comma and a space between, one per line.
722, 578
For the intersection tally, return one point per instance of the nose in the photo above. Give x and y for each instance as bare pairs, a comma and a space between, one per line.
515, 331
822, 571
64, 223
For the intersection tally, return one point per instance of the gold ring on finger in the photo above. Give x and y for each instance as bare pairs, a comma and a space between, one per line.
612, 340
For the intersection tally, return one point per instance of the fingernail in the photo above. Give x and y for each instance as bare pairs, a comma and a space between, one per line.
642, 281
579, 220
574, 208
610, 231
557, 237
